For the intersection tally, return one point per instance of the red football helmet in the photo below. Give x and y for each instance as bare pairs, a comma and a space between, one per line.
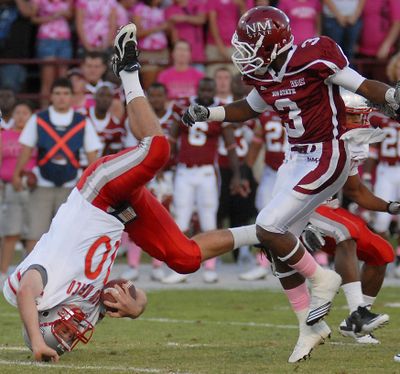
261, 35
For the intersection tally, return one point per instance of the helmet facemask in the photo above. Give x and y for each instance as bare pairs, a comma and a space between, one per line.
63, 327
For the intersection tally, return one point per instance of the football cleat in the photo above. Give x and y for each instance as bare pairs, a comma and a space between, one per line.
367, 339
258, 272
322, 294
210, 276
309, 338
175, 278
125, 50
361, 322
157, 274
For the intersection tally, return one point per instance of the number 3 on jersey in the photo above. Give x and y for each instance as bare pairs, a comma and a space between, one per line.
294, 127
197, 134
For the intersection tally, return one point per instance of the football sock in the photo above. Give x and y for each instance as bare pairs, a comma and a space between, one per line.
210, 264
131, 84
244, 235
353, 293
262, 260
133, 255
299, 299
369, 300
307, 267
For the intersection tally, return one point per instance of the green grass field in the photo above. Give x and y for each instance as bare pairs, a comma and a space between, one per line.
210, 332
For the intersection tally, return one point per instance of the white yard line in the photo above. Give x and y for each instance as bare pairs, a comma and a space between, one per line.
82, 367
222, 323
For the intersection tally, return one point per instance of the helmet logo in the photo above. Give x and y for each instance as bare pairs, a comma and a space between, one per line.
258, 28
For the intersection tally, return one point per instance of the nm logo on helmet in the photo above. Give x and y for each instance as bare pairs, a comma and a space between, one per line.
260, 27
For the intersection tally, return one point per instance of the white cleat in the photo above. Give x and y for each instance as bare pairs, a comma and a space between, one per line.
175, 278
322, 294
257, 273
367, 339
125, 50
130, 274
210, 276
309, 338
157, 274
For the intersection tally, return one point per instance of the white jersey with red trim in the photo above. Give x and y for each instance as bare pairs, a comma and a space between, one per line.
389, 148
309, 105
77, 253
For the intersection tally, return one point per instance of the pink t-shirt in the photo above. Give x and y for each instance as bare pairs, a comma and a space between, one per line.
11, 149
149, 18
228, 15
193, 34
96, 24
378, 16
302, 14
122, 15
57, 29
180, 84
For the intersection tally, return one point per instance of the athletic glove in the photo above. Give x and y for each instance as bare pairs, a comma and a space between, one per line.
391, 108
393, 207
312, 238
195, 113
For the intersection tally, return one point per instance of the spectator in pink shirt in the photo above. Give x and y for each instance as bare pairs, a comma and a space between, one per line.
223, 16
152, 29
381, 29
181, 79
14, 210
187, 18
96, 24
305, 18
53, 39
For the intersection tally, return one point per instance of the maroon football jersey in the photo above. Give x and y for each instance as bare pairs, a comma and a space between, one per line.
389, 148
242, 146
274, 138
110, 131
310, 107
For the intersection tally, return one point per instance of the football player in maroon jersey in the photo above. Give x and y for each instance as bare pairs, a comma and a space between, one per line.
301, 83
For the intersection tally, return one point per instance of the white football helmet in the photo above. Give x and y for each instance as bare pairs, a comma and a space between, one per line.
63, 327
356, 104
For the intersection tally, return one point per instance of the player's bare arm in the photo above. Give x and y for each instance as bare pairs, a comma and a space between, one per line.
238, 111
238, 186
30, 288
355, 190
127, 306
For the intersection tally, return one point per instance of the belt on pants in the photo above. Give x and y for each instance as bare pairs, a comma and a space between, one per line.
307, 148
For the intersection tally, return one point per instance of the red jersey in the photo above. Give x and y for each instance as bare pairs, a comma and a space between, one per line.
110, 130
275, 139
310, 107
199, 143
242, 145
389, 148
171, 116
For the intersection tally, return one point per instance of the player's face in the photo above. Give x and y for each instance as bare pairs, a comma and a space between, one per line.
157, 98
7, 100
104, 98
223, 79
93, 69
355, 120
21, 115
61, 98
206, 93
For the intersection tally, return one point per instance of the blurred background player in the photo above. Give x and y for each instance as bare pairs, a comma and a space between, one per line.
195, 182
270, 134
234, 210
59, 133
384, 163
14, 207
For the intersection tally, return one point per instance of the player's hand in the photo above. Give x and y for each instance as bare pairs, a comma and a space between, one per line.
43, 352
195, 113
127, 306
312, 238
393, 207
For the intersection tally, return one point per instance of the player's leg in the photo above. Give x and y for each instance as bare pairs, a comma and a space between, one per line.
306, 186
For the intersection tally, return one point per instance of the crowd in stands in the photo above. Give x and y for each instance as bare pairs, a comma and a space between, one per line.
79, 114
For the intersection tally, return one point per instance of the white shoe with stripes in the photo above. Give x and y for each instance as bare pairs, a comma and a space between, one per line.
309, 338
322, 294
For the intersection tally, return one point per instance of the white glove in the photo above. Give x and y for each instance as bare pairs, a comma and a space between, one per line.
195, 113
393, 207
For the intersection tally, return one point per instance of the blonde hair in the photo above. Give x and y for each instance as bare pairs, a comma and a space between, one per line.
391, 67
